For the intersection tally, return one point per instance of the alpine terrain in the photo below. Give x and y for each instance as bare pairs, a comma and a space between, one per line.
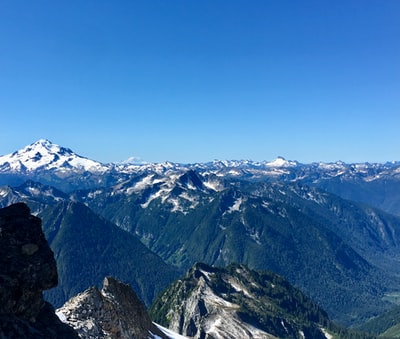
330, 229
236, 302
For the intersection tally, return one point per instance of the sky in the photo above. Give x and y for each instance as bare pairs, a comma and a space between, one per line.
192, 81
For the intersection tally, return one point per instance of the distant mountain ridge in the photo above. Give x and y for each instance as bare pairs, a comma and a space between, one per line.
45, 155
376, 184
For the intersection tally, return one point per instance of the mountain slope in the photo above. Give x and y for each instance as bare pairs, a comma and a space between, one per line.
279, 231
321, 243
236, 302
87, 248
373, 233
386, 325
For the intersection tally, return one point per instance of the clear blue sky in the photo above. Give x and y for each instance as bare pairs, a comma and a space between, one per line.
192, 81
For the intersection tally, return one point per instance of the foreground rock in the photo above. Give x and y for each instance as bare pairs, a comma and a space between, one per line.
112, 312
27, 268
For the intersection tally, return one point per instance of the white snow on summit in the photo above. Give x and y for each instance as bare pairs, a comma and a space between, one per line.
43, 154
281, 162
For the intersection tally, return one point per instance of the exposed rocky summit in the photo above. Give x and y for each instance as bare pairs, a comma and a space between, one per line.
112, 312
236, 302
27, 268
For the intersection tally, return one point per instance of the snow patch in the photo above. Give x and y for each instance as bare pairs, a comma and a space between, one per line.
236, 205
326, 333
169, 333
207, 274
3, 193
61, 316
176, 205
267, 206
145, 182
213, 185
238, 287
163, 193
186, 196
92, 195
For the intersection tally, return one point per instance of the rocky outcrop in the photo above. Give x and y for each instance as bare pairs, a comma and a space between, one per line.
236, 302
27, 268
112, 312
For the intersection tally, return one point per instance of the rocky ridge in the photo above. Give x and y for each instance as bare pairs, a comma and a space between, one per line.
112, 312
237, 302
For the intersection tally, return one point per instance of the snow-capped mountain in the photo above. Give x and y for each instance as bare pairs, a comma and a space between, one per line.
45, 155
51, 164
372, 183
291, 171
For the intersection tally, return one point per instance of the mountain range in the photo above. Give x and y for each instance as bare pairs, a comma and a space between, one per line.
330, 229
375, 184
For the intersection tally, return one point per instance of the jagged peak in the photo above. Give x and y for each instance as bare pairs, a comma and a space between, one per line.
115, 311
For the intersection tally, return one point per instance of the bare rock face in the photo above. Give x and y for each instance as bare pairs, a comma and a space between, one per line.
112, 312
237, 302
27, 268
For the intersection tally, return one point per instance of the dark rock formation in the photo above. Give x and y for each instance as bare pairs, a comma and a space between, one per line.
113, 312
27, 268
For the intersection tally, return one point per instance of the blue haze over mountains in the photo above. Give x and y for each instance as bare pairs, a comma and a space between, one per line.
332, 229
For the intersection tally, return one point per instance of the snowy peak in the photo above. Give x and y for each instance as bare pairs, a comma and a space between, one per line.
43, 154
181, 188
281, 162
